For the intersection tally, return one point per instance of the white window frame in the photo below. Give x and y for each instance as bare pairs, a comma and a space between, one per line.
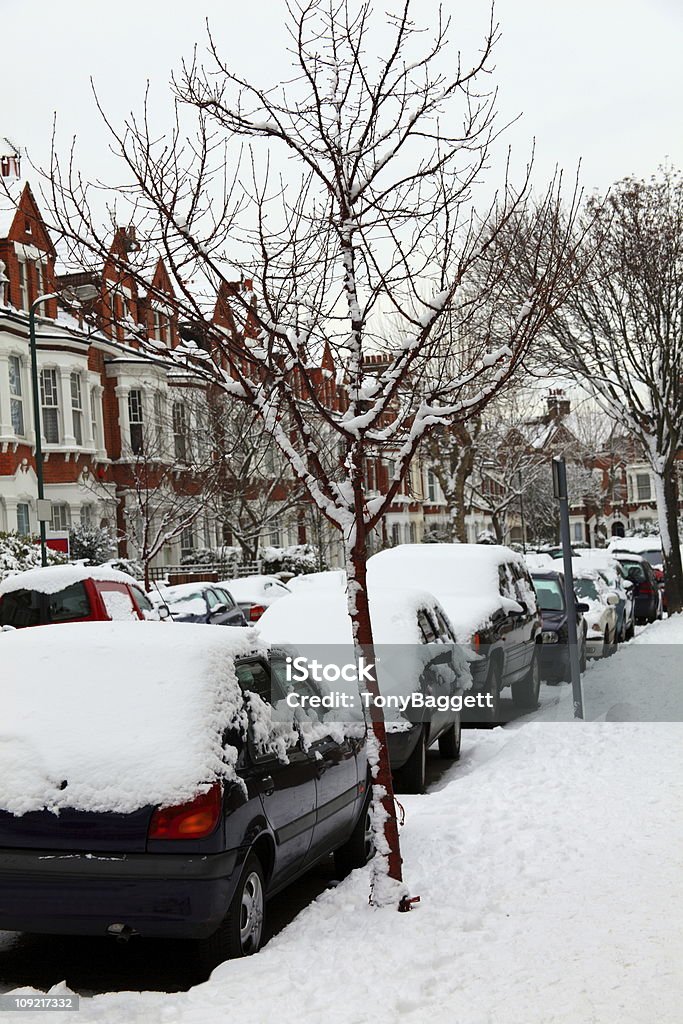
24, 505
76, 386
136, 418
52, 405
16, 395
59, 507
23, 285
640, 477
95, 406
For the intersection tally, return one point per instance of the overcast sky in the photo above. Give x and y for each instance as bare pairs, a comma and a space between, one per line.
599, 80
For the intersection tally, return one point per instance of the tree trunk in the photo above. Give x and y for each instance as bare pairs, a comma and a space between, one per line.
666, 493
388, 861
457, 504
497, 527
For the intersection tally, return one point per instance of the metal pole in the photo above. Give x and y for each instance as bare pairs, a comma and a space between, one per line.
560, 489
36, 416
521, 510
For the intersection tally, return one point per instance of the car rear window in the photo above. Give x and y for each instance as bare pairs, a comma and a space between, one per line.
550, 596
587, 589
69, 604
20, 608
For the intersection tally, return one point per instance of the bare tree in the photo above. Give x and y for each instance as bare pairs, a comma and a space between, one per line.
621, 331
372, 212
255, 493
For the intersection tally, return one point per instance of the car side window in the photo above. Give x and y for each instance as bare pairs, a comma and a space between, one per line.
506, 582
445, 630
69, 604
143, 601
254, 677
21, 608
225, 597
212, 598
270, 736
426, 627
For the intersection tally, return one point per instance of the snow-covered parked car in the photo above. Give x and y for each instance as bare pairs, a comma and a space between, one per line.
329, 579
601, 617
151, 784
488, 595
555, 653
209, 603
71, 593
614, 575
417, 656
255, 593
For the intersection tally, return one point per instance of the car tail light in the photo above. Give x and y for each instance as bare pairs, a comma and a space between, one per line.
255, 612
659, 575
193, 820
476, 642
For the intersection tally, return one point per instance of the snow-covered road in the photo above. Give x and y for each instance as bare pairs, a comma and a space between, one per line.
550, 875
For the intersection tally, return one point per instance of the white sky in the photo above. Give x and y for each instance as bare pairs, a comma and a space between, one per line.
599, 80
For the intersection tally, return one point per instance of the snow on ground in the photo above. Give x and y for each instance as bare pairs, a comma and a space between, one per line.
550, 885
548, 864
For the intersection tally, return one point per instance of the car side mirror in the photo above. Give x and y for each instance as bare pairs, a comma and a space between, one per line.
164, 612
627, 584
582, 607
612, 599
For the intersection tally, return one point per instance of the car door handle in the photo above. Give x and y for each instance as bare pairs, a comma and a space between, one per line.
265, 785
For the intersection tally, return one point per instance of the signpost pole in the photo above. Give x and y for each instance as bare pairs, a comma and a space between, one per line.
560, 490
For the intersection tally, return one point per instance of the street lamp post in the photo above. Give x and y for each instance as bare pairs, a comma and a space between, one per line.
43, 507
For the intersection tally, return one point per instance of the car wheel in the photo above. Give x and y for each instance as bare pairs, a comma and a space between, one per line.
449, 741
525, 692
242, 929
359, 848
413, 775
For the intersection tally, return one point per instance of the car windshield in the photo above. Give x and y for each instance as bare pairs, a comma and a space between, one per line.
587, 589
196, 597
549, 593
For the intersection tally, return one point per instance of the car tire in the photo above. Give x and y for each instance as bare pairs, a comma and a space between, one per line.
526, 692
449, 741
242, 929
359, 848
621, 639
412, 777
491, 716
631, 631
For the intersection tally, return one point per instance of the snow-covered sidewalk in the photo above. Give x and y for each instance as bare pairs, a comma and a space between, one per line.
642, 682
549, 867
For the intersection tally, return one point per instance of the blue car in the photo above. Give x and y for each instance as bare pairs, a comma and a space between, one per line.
200, 870
200, 602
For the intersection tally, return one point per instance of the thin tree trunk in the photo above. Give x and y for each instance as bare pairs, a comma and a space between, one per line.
457, 504
388, 861
666, 493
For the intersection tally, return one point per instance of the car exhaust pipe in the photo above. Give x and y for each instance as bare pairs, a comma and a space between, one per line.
121, 932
